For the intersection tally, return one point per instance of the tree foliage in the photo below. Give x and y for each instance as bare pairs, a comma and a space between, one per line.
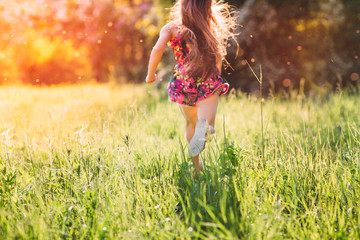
300, 44
311, 45
70, 41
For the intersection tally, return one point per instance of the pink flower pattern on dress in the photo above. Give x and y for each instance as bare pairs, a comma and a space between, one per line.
183, 88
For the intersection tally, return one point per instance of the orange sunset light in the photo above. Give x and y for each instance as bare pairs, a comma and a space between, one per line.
71, 41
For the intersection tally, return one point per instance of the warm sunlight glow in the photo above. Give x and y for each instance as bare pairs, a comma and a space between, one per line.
49, 42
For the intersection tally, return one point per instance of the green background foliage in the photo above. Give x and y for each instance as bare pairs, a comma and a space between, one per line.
302, 44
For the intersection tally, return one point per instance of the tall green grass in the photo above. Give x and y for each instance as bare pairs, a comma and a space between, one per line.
110, 162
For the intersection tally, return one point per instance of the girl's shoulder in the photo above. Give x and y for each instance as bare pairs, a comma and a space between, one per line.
173, 28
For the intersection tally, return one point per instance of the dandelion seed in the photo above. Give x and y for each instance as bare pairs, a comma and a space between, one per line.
167, 219
191, 229
157, 206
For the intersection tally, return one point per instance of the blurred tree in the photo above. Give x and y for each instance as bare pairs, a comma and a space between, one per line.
8, 71
116, 33
300, 44
297, 43
110, 30
51, 61
347, 40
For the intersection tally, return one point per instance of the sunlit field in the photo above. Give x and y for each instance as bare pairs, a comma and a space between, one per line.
110, 162
87, 152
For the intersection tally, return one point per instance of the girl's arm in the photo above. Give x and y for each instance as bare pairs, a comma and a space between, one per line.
158, 51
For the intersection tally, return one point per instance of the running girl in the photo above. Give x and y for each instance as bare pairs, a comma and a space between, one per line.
198, 33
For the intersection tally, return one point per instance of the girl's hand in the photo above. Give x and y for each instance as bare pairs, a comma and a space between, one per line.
150, 79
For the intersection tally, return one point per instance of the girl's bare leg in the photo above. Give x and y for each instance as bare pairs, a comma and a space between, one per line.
190, 115
206, 109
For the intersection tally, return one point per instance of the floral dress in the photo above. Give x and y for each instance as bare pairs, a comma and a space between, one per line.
185, 89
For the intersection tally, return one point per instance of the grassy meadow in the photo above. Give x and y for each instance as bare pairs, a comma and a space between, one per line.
110, 162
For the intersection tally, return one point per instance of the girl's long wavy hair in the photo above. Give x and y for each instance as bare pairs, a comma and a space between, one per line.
207, 26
